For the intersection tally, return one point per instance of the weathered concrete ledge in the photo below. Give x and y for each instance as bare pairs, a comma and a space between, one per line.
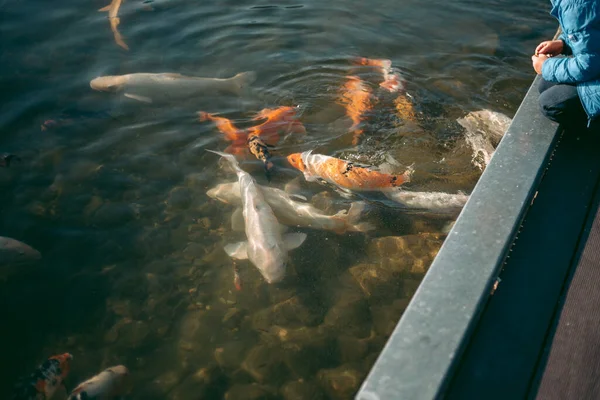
422, 353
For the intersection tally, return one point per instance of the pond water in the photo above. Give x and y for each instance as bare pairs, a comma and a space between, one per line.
113, 191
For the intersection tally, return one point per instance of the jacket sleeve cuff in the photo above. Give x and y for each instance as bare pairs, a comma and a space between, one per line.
548, 70
566, 49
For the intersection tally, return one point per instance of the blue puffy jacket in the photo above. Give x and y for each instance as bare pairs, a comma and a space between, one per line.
580, 23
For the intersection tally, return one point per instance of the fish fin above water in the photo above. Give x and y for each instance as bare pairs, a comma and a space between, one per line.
138, 97
293, 240
237, 220
105, 9
239, 250
241, 81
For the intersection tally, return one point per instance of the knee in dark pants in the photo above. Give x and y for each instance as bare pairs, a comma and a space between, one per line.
551, 109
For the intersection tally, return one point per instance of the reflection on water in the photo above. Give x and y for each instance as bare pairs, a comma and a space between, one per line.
112, 191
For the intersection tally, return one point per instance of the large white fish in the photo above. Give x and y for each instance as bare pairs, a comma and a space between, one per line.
166, 86
483, 131
294, 213
107, 385
438, 202
14, 254
266, 248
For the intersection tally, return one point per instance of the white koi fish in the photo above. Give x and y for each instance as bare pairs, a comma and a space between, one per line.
107, 385
483, 131
266, 248
439, 202
294, 213
147, 87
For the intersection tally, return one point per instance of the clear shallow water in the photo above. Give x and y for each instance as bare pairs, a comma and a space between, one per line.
133, 270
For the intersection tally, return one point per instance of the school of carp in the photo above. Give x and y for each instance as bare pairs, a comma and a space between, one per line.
264, 213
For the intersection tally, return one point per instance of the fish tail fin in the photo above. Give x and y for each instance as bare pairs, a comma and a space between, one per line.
242, 80
230, 158
204, 116
353, 217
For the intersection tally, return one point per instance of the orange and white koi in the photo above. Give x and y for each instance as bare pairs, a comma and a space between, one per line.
345, 174
107, 385
356, 99
113, 16
392, 80
45, 380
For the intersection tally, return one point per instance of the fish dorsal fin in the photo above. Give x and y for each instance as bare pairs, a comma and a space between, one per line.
293, 240
238, 250
171, 75
237, 220
104, 9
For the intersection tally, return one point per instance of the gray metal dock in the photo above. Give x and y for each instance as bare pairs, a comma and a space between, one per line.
510, 307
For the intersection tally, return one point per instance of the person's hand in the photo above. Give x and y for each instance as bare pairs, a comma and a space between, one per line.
538, 61
550, 48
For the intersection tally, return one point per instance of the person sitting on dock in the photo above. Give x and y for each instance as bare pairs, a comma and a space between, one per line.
570, 86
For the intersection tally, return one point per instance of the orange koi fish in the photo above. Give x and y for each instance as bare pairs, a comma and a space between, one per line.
45, 380
344, 174
404, 108
356, 98
280, 119
229, 130
113, 16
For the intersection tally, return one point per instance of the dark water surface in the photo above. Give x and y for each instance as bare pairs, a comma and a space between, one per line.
133, 270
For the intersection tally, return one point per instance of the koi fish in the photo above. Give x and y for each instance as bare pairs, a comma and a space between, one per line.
356, 99
294, 213
438, 202
237, 280
345, 175
266, 247
14, 255
227, 128
107, 385
280, 119
260, 150
166, 86
404, 108
6, 159
392, 80
45, 380
113, 12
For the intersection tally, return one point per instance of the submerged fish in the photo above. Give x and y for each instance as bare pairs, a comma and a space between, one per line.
113, 17
45, 380
483, 131
438, 202
238, 137
345, 174
6, 159
260, 150
392, 80
294, 213
356, 99
166, 86
107, 385
280, 120
266, 248
14, 254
